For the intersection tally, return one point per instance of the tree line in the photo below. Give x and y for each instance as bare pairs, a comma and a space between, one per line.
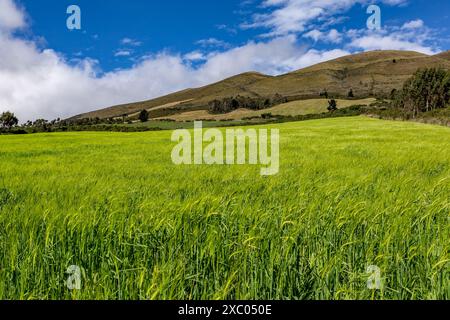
229, 104
9, 123
427, 90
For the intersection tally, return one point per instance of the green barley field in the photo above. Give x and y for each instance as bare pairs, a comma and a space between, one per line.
351, 193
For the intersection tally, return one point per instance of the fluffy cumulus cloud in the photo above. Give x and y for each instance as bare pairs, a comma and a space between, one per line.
37, 83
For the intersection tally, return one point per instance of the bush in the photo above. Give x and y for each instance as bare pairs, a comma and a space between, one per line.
332, 105
267, 115
143, 116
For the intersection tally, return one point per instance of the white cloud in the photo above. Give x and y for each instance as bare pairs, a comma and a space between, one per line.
389, 42
194, 56
415, 24
122, 53
395, 2
313, 56
332, 36
212, 42
412, 36
10, 16
294, 16
130, 42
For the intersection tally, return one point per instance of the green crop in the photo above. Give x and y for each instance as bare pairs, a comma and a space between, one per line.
351, 193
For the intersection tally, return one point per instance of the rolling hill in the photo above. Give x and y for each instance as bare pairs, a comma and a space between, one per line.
367, 74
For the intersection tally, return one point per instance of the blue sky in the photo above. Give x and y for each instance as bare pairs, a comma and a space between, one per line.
175, 26
180, 26
136, 50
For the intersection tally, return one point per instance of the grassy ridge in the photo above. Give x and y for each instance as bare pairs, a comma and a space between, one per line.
351, 192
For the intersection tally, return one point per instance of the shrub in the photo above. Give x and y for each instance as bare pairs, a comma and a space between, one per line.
143, 116
332, 105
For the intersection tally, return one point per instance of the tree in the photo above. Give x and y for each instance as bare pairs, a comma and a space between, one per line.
393, 94
41, 125
332, 105
350, 94
426, 90
143, 116
324, 93
8, 120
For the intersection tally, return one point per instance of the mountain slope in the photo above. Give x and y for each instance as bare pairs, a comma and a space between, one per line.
368, 73
444, 55
185, 99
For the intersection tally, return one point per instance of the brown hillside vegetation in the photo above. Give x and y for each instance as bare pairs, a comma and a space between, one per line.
367, 74
444, 55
